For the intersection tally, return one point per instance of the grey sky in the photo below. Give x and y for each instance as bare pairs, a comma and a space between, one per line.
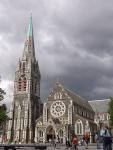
73, 42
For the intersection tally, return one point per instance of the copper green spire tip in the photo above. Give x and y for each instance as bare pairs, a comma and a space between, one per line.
30, 27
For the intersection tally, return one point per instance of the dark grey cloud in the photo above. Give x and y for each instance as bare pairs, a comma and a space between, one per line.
73, 41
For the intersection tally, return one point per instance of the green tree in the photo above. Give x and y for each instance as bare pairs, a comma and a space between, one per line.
3, 115
3, 107
110, 111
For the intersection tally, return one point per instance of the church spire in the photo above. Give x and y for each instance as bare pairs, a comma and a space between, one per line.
30, 27
29, 49
26, 92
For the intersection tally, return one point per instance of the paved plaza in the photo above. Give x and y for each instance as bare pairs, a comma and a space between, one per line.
51, 147
91, 147
79, 148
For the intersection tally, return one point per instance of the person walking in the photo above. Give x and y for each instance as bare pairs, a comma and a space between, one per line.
107, 139
57, 142
86, 138
75, 142
68, 144
97, 139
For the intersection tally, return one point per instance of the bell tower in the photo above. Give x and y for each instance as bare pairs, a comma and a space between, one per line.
26, 102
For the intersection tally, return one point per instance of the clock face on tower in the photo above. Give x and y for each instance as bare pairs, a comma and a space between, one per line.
57, 109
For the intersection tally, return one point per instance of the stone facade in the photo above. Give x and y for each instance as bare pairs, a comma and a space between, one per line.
64, 114
100, 108
26, 102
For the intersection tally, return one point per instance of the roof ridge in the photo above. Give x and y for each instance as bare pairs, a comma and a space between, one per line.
76, 94
99, 100
79, 100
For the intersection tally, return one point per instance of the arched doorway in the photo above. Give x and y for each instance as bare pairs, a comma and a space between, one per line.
50, 134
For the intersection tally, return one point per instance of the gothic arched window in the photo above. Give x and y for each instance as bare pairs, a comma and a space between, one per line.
58, 95
20, 84
24, 83
23, 67
78, 127
20, 65
32, 85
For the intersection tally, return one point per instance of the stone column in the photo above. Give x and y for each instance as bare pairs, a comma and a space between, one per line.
35, 139
44, 114
44, 136
70, 112
64, 135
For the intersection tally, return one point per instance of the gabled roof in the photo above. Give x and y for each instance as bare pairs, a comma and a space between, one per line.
100, 106
75, 97
79, 100
40, 118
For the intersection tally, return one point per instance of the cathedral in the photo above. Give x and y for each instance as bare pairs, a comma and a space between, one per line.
26, 101
63, 114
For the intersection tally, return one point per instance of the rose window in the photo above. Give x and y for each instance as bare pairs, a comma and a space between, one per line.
57, 109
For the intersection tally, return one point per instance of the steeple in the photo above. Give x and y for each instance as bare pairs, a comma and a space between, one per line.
30, 28
26, 101
29, 49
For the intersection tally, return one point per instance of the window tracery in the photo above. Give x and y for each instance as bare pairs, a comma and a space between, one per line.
22, 84
23, 67
57, 109
19, 84
79, 127
58, 95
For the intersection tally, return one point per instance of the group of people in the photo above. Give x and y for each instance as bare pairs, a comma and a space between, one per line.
104, 136
74, 142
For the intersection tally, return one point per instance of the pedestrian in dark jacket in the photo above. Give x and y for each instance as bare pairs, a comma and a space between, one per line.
107, 139
97, 139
